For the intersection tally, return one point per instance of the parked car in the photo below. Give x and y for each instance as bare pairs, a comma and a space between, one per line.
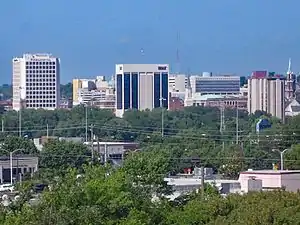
39, 187
6, 187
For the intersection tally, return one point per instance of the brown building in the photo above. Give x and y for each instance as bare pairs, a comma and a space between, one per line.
176, 103
228, 102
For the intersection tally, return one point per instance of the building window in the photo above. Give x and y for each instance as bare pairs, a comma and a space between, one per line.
119, 91
126, 90
134, 90
165, 89
156, 90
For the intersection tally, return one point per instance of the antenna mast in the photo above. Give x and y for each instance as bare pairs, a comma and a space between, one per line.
177, 53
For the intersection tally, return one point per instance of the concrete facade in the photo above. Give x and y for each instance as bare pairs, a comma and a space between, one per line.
21, 164
266, 93
36, 81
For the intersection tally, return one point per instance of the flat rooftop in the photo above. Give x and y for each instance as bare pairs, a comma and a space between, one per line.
270, 172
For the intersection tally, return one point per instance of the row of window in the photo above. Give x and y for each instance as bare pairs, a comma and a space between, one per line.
40, 63
38, 96
41, 80
40, 101
40, 67
41, 75
41, 84
39, 71
37, 89
40, 105
40, 92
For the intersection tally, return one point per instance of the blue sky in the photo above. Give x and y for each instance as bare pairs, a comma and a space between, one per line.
222, 36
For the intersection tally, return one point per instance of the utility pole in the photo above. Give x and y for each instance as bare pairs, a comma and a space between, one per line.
2, 125
105, 154
92, 140
237, 123
47, 131
20, 113
162, 115
86, 123
202, 181
222, 125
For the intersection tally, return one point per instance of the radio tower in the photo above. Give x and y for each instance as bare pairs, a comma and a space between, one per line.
177, 53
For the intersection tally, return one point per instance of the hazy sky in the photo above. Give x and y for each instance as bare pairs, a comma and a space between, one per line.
91, 36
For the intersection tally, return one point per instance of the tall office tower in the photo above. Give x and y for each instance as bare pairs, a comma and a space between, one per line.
36, 81
266, 93
290, 84
141, 86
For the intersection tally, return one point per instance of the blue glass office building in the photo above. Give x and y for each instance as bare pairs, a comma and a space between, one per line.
141, 87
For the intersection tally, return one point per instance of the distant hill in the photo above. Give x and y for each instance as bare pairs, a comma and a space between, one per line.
65, 91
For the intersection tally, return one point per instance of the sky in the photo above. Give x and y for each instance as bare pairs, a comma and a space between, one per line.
91, 36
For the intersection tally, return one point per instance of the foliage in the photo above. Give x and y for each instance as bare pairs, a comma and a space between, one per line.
61, 155
66, 90
6, 90
99, 198
20, 145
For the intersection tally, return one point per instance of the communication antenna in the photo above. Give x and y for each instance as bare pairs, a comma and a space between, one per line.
177, 53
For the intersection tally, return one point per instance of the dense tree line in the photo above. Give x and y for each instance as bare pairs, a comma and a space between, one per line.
194, 131
107, 195
65, 91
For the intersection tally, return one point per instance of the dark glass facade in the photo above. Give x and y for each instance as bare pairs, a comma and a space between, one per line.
127, 90
156, 90
218, 86
165, 90
119, 91
135, 90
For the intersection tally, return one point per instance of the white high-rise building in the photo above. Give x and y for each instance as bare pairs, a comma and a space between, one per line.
141, 87
266, 93
36, 81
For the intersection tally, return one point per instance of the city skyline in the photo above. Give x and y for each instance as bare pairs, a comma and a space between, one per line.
234, 37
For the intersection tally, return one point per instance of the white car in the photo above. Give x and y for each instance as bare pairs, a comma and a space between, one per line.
6, 187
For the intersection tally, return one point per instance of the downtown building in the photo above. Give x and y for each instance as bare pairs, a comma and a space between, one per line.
141, 87
97, 92
215, 90
266, 92
36, 81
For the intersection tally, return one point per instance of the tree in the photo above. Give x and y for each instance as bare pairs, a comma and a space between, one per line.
12, 143
148, 169
58, 156
66, 90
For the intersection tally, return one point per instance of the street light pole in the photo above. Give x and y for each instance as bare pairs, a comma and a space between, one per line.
11, 164
11, 167
86, 123
237, 123
281, 157
162, 115
20, 113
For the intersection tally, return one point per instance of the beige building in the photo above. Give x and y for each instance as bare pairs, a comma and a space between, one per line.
266, 93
